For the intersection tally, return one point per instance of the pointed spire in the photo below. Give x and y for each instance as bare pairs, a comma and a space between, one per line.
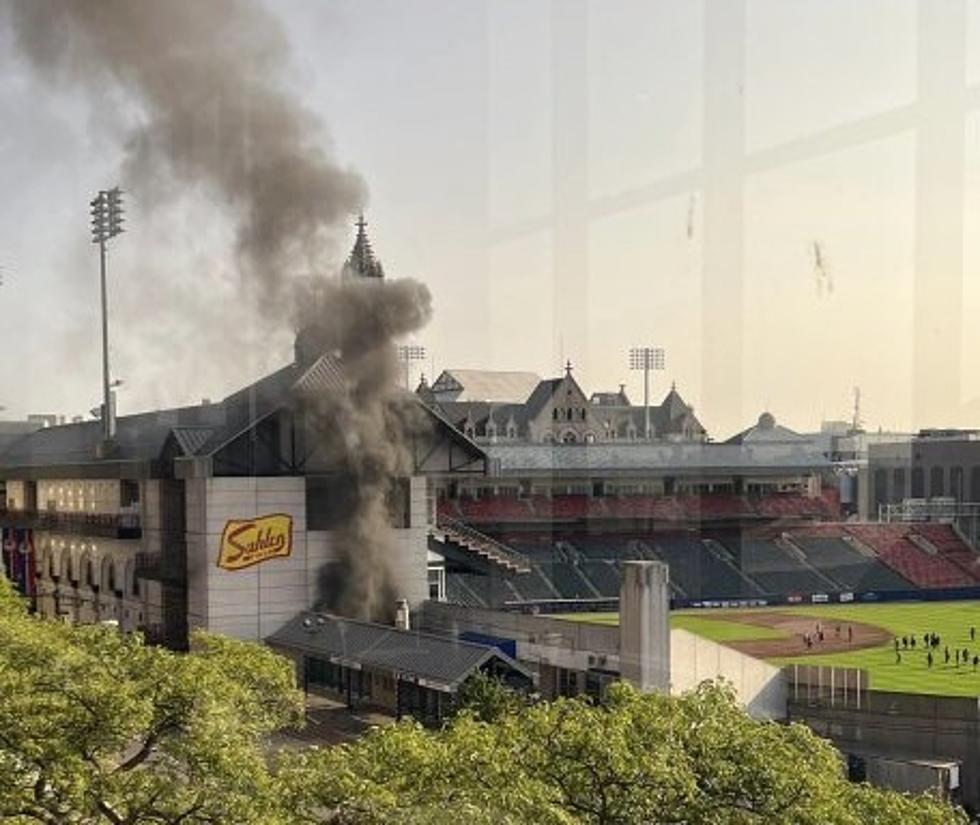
568, 367
361, 263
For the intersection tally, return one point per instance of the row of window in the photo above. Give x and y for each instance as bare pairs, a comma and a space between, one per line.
905, 484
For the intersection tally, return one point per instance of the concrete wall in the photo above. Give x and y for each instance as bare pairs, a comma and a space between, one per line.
760, 687
254, 602
644, 625
904, 726
546, 643
541, 640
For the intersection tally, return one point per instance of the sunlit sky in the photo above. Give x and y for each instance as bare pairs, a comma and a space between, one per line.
448, 110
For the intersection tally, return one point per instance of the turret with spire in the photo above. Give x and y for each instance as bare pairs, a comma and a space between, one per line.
361, 263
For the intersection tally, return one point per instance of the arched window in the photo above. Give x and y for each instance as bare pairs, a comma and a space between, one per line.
512, 432
918, 482
936, 482
880, 492
975, 483
582, 413
956, 483
554, 414
898, 484
568, 414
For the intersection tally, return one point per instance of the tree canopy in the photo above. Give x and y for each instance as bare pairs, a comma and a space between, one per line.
96, 727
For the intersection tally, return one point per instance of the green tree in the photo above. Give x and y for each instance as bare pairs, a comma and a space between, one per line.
96, 727
486, 698
696, 759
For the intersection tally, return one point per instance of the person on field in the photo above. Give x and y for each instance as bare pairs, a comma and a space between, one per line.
946, 655
929, 658
976, 661
973, 634
850, 634
898, 657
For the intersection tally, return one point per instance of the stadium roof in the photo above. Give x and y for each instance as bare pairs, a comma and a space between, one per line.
487, 385
435, 661
676, 458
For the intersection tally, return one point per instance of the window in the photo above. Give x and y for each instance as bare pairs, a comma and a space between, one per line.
918, 483
554, 414
956, 483
898, 484
975, 483
880, 489
129, 492
936, 482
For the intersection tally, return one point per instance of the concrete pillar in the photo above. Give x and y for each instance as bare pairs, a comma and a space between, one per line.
644, 625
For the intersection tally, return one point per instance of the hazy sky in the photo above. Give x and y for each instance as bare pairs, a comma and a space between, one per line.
448, 110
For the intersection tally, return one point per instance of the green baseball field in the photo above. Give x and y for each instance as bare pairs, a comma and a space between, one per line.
852, 635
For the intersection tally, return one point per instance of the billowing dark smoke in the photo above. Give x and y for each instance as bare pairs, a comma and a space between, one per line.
206, 78
364, 432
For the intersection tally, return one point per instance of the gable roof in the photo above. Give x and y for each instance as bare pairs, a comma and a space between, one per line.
497, 386
767, 431
440, 662
542, 394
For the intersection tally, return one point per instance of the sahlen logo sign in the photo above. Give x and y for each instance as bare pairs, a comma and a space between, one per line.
245, 542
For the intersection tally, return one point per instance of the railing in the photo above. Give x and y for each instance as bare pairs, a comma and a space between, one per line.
110, 525
456, 531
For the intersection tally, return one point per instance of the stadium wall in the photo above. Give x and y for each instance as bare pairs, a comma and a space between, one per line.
759, 686
903, 725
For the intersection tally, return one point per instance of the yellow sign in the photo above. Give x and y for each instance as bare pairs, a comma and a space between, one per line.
245, 542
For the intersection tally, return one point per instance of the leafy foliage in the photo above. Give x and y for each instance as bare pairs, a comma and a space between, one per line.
97, 728
697, 760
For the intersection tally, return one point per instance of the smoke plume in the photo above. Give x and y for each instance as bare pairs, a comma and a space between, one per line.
365, 431
205, 79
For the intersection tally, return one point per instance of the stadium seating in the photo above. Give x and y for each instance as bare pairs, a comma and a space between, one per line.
776, 570
604, 575
836, 559
685, 508
889, 541
721, 562
945, 539
698, 572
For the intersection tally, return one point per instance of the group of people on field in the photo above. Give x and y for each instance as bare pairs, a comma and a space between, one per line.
818, 634
930, 644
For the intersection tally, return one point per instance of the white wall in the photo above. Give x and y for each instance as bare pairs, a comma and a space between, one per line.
254, 602
760, 686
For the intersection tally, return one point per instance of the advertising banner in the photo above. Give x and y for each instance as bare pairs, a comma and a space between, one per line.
246, 542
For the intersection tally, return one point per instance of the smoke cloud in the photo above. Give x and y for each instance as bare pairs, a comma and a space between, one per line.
205, 77
364, 432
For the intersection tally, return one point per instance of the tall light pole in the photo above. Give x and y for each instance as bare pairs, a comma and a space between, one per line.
646, 359
407, 354
107, 222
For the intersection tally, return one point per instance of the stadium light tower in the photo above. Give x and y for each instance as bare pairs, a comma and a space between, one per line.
407, 354
646, 359
107, 223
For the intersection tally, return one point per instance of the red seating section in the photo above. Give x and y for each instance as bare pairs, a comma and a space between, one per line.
893, 547
659, 508
944, 538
